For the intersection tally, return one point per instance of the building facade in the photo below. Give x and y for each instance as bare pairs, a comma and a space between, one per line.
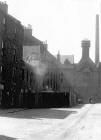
45, 70
26, 66
84, 77
11, 42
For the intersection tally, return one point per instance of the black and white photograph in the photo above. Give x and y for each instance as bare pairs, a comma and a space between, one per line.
50, 70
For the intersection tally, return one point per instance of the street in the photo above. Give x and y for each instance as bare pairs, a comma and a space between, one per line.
82, 122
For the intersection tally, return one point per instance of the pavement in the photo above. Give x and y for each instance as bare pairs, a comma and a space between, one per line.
82, 122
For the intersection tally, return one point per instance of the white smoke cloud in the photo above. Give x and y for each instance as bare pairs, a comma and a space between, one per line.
38, 67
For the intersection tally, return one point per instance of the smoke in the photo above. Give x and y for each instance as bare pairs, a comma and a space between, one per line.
38, 68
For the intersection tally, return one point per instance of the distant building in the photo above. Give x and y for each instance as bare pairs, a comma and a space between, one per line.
84, 76
70, 58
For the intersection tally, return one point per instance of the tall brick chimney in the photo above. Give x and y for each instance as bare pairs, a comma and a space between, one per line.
85, 49
97, 41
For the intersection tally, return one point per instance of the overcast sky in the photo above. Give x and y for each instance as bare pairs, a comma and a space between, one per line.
63, 23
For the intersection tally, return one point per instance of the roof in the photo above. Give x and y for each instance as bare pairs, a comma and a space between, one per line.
86, 63
14, 19
10, 16
51, 58
31, 40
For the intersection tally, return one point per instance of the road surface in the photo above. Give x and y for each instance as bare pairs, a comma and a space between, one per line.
82, 122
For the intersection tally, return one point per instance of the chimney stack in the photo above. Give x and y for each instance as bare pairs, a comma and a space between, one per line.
28, 31
85, 49
97, 41
4, 7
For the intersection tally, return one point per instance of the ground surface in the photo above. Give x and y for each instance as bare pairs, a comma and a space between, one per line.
79, 123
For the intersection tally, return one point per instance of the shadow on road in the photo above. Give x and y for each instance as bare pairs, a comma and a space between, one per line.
2, 137
38, 114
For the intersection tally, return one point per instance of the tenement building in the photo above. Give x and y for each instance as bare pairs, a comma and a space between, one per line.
27, 68
11, 42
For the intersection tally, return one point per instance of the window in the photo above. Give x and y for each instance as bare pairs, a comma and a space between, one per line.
15, 30
14, 69
23, 74
31, 77
61, 77
1, 68
2, 45
27, 76
13, 74
14, 58
4, 20
14, 54
3, 52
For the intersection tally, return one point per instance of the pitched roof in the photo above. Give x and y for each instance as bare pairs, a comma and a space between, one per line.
31, 40
86, 63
